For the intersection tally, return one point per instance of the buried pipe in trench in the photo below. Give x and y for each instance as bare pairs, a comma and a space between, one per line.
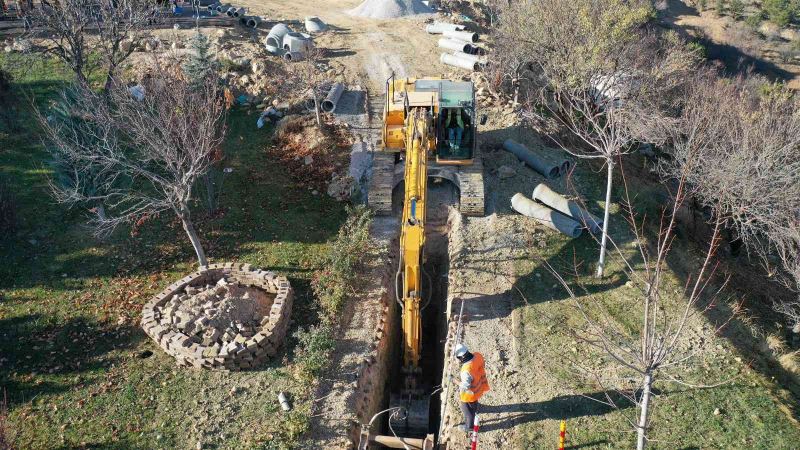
543, 194
332, 99
452, 60
535, 161
546, 216
466, 36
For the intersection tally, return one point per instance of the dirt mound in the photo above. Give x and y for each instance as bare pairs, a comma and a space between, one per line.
389, 9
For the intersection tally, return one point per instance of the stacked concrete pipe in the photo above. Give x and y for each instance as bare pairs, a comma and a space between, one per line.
222, 8
332, 99
231, 9
543, 194
453, 60
455, 45
293, 56
296, 42
470, 57
253, 21
441, 27
546, 216
213, 7
466, 36
239, 12
274, 42
535, 161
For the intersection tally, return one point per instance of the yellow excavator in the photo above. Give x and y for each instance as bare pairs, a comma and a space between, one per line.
429, 130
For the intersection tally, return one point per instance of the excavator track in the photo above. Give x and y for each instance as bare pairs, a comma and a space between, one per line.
379, 194
470, 186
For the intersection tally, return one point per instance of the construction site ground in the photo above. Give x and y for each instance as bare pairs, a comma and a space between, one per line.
515, 313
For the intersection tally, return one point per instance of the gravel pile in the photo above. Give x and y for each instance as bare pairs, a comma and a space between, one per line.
218, 314
389, 9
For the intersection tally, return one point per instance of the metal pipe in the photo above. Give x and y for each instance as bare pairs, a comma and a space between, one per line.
466, 36
332, 99
536, 162
550, 218
455, 45
543, 194
453, 60
239, 12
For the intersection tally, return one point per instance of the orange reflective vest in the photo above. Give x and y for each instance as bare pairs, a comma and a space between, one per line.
480, 384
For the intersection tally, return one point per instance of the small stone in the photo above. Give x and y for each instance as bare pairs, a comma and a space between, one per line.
717, 411
505, 172
308, 160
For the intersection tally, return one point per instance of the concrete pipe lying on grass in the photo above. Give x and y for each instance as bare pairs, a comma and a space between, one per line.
535, 161
466, 36
332, 99
253, 21
293, 56
275, 36
571, 208
455, 45
239, 12
315, 25
440, 27
452, 60
546, 216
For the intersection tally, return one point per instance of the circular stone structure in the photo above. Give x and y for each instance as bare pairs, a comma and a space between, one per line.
224, 316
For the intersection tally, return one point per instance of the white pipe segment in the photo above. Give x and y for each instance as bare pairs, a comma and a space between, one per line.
550, 218
553, 199
455, 61
535, 161
440, 27
455, 45
477, 58
332, 99
275, 36
466, 36
315, 25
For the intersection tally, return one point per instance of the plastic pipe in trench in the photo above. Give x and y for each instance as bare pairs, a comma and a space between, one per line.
332, 99
536, 162
543, 194
546, 216
453, 60
466, 36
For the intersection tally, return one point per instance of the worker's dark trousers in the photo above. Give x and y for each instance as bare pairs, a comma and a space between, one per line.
469, 410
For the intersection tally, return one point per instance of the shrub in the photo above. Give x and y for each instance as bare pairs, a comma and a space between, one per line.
8, 210
736, 8
720, 7
778, 11
754, 21
702, 5
313, 346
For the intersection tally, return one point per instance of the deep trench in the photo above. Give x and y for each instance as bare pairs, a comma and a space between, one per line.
442, 197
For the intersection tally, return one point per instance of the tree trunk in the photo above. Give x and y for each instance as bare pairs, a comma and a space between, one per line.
644, 411
603, 240
316, 107
186, 220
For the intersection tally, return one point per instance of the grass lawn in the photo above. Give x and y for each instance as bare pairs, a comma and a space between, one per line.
752, 406
73, 361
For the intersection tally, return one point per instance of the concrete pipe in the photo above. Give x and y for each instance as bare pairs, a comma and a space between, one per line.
536, 162
276, 34
243, 20
239, 12
222, 8
550, 218
213, 7
296, 42
315, 24
553, 199
452, 60
332, 99
253, 21
231, 9
454, 45
440, 27
477, 58
293, 56
466, 36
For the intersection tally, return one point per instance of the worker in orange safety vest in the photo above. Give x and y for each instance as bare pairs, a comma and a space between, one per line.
472, 383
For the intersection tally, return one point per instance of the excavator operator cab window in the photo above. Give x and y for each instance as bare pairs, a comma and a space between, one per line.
456, 134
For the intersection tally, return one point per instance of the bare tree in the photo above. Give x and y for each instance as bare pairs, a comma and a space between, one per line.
594, 68
654, 351
72, 29
151, 153
738, 149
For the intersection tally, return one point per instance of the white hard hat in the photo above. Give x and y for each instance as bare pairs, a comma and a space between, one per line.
461, 350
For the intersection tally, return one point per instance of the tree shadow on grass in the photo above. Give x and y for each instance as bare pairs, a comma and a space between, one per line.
34, 346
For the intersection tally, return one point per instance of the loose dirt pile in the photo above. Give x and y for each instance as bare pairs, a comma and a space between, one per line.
389, 9
217, 314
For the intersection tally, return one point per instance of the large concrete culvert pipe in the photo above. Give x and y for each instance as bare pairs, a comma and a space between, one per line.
239, 12
253, 21
546, 216
466, 36
452, 60
231, 9
315, 25
293, 56
332, 99
455, 45
536, 162
543, 194
275, 36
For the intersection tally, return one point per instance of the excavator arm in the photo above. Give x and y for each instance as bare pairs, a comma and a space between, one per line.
412, 236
